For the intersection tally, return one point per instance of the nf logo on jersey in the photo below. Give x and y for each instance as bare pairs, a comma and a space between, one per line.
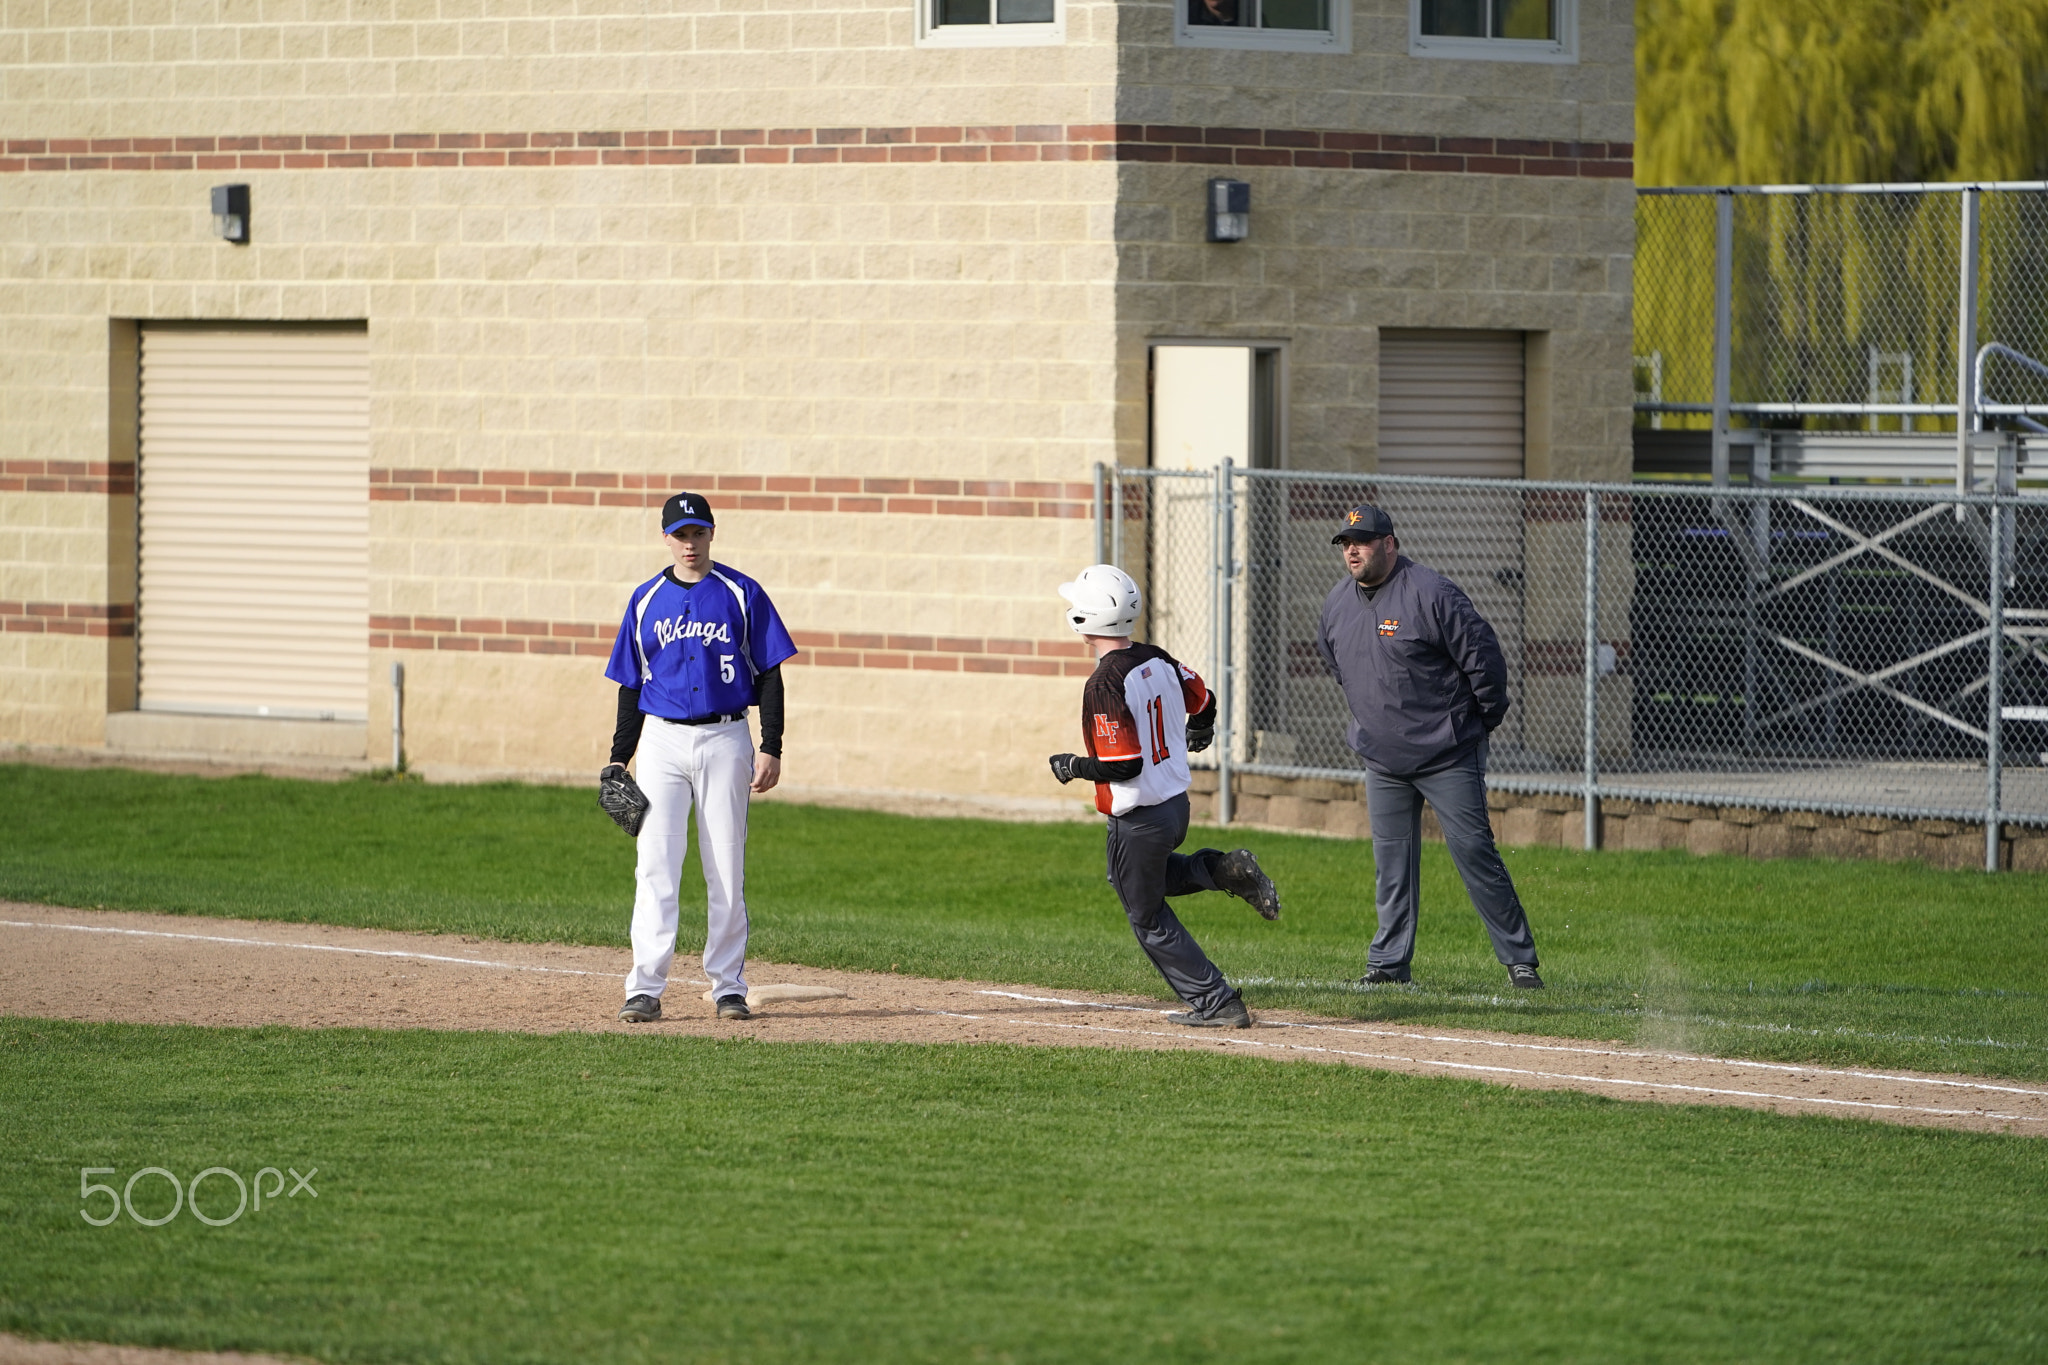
1107, 730
1389, 626
672, 630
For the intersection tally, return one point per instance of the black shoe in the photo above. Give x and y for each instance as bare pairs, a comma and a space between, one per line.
1230, 1015
1384, 976
1523, 974
733, 1007
641, 1009
1240, 875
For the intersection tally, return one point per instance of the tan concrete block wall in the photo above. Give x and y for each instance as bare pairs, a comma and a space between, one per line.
937, 321
474, 715
80, 70
1334, 256
1378, 87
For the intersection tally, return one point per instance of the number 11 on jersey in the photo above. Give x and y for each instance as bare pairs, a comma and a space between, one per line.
1156, 709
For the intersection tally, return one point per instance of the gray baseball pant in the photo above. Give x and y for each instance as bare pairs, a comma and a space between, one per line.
1458, 795
1145, 870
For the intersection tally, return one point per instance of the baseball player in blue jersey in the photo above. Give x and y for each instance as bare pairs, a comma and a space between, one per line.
700, 644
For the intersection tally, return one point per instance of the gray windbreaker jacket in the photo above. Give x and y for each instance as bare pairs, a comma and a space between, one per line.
1420, 667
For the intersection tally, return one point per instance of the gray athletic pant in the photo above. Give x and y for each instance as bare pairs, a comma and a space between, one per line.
1458, 795
1145, 870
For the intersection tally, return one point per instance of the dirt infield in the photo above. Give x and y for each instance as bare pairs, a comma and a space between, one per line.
20, 1351
163, 969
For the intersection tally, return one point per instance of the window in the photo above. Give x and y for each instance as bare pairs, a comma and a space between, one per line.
1495, 30
1282, 25
990, 23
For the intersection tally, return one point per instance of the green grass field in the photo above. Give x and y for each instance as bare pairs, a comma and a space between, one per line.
1841, 962
647, 1198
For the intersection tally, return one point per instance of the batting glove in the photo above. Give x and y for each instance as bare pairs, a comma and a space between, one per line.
1200, 739
1063, 767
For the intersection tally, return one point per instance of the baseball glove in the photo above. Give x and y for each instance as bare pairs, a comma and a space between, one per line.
620, 797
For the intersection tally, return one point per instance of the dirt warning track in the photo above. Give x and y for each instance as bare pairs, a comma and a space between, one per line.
103, 966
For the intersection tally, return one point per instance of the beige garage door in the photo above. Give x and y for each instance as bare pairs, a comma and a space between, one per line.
255, 486
1451, 403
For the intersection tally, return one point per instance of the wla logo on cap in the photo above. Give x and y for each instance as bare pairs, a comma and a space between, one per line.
688, 508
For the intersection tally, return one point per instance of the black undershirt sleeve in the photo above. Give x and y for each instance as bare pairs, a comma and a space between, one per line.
626, 732
770, 686
1095, 770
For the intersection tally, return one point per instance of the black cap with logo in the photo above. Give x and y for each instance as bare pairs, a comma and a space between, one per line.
1363, 522
685, 509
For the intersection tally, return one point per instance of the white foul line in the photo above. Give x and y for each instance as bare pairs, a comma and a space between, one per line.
1500, 1070
309, 947
1556, 1047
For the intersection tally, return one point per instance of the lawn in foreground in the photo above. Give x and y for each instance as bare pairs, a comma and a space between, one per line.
1845, 962
579, 1198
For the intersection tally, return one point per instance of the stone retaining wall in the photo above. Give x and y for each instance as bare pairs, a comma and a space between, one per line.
1338, 808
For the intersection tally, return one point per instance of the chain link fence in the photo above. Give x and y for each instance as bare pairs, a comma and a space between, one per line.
1846, 650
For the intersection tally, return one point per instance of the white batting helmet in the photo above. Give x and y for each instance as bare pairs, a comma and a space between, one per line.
1104, 600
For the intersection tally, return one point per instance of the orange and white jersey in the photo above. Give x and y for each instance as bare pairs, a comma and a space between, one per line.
1137, 705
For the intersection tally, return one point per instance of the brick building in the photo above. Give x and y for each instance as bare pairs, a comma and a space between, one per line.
884, 278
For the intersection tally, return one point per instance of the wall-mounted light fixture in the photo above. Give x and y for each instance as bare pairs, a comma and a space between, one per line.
231, 213
1230, 210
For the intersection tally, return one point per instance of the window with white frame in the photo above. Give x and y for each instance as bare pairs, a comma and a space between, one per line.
1280, 25
1495, 30
990, 23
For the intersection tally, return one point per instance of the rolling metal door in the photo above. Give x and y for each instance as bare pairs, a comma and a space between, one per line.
255, 518
1451, 404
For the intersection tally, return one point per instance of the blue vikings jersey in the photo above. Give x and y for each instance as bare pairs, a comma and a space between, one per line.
695, 651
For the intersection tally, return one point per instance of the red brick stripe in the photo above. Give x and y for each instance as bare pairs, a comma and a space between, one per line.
943, 654
66, 476
100, 620
822, 649
750, 492
1305, 147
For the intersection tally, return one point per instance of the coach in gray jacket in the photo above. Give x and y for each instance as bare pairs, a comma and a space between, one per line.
1427, 683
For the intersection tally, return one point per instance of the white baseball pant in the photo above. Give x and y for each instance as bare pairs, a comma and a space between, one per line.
714, 764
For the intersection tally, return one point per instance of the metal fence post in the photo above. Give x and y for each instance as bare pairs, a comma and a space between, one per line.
1592, 733
1994, 692
398, 718
1966, 346
1724, 327
1220, 635
1096, 509
1116, 517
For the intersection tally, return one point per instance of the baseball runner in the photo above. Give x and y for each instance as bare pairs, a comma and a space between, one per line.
699, 645
1427, 683
1141, 712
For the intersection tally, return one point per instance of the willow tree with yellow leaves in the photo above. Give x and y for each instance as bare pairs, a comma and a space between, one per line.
1839, 298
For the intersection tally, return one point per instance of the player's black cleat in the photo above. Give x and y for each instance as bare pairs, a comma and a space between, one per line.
641, 1009
1239, 874
1231, 1015
733, 1007
1384, 976
1523, 974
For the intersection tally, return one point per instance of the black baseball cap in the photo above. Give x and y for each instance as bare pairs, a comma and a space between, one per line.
685, 509
1363, 522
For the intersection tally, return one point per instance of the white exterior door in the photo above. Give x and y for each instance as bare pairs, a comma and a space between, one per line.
255, 519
